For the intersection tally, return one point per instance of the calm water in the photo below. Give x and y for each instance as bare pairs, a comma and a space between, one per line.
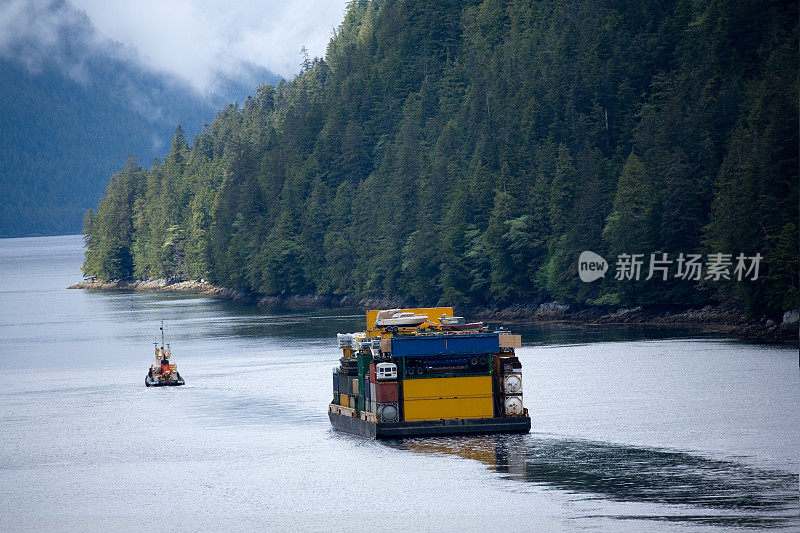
630, 432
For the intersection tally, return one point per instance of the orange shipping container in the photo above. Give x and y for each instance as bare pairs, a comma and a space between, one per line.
510, 341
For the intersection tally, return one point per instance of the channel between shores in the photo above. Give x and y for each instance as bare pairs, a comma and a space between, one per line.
729, 321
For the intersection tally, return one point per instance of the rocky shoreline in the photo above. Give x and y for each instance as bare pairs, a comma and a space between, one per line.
196, 286
731, 321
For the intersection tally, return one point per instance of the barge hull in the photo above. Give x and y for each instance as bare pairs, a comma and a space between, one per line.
429, 428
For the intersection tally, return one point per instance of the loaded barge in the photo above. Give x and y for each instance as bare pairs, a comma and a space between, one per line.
424, 372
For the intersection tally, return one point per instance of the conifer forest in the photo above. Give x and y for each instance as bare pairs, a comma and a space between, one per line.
467, 152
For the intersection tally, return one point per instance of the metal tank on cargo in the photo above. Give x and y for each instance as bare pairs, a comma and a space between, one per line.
425, 372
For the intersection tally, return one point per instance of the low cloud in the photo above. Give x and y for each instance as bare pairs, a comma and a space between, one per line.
204, 41
37, 32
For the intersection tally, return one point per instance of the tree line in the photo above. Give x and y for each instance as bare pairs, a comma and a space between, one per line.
466, 152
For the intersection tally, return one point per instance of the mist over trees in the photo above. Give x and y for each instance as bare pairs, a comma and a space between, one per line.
73, 104
467, 152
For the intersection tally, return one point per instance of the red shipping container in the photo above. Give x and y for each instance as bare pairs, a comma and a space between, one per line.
386, 391
372, 373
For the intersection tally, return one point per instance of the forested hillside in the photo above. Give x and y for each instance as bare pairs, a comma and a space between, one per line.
72, 110
468, 152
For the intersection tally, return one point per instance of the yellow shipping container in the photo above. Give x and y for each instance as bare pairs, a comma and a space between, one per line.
435, 409
344, 400
447, 387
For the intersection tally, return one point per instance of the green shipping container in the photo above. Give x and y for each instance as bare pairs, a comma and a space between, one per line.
363, 360
361, 403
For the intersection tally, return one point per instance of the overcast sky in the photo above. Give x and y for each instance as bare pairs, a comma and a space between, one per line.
194, 39
197, 38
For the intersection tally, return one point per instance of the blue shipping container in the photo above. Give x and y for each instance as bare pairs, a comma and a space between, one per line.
446, 345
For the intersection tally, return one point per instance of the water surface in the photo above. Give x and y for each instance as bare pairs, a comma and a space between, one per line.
631, 431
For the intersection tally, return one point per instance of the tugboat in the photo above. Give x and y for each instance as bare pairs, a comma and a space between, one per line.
439, 376
163, 373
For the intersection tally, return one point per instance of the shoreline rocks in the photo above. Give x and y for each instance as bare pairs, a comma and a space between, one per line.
198, 286
729, 320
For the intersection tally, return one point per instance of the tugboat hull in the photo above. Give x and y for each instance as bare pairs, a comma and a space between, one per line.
150, 381
428, 428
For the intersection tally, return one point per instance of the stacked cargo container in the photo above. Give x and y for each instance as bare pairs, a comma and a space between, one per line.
510, 376
426, 375
387, 407
445, 398
446, 376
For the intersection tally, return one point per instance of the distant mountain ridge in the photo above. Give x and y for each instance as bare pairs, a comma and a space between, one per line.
74, 105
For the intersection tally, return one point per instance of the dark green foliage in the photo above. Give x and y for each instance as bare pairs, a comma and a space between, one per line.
110, 233
467, 152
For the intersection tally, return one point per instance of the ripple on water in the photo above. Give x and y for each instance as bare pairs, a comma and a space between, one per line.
729, 493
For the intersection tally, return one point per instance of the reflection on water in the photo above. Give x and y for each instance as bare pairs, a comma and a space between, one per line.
550, 333
733, 494
212, 317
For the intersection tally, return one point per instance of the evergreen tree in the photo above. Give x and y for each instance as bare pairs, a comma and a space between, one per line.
467, 152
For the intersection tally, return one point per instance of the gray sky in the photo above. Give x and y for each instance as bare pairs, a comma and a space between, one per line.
198, 38
194, 39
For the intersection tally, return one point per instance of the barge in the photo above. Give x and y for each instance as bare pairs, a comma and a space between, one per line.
425, 378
